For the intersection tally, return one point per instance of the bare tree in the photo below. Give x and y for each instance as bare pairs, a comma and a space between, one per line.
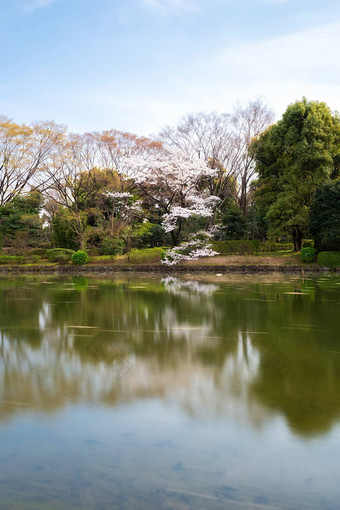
74, 181
115, 147
248, 122
223, 141
25, 152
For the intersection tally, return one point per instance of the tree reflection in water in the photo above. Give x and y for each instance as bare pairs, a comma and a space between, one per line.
210, 346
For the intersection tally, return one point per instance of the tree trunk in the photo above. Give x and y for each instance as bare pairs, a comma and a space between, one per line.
82, 240
297, 238
243, 197
176, 233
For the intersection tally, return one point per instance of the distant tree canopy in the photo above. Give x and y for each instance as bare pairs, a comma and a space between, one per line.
325, 217
293, 158
228, 174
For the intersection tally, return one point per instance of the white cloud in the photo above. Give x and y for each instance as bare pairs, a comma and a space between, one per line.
281, 69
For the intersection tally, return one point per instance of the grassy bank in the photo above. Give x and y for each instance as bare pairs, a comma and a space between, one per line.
262, 263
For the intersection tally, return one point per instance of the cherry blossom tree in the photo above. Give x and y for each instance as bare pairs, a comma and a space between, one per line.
172, 181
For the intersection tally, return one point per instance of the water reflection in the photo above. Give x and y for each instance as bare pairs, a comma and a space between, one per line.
250, 350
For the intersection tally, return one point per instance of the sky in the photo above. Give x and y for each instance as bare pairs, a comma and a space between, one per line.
137, 65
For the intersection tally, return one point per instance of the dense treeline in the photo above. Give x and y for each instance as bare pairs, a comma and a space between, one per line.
237, 176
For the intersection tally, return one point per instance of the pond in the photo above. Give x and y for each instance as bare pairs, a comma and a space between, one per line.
205, 392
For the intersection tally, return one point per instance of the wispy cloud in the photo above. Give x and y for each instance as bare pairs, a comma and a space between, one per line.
32, 5
172, 6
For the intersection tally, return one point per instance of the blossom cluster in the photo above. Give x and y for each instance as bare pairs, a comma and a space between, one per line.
194, 249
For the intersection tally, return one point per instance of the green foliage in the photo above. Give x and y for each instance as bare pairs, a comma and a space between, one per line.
155, 237
308, 254
64, 236
255, 225
11, 259
22, 215
233, 223
146, 256
329, 259
135, 235
61, 255
229, 247
272, 246
325, 217
112, 246
293, 157
34, 259
308, 244
41, 252
252, 246
79, 258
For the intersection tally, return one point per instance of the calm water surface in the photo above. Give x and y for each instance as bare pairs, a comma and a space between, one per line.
143, 393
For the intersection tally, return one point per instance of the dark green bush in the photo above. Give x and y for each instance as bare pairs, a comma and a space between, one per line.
308, 254
308, 244
79, 258
146, 256
112, 246
233, 224
11, 259
325, 217
61, 255
329, 259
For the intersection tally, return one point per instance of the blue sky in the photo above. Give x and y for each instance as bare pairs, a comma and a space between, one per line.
137, 65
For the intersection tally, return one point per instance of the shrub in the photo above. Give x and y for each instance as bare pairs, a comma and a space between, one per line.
329, 259
79, 258
11, 259
112, 246
63, 259
61, 255
308, 244
308, 254
34, 259
37, 251
146, 256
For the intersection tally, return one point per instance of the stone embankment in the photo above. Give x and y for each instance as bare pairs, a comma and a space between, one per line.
161, 268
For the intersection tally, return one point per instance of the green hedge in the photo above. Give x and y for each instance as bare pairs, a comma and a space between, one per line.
146, 256
11, 259
37, 251
253, 246
329, 259
272, 246
61, 255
